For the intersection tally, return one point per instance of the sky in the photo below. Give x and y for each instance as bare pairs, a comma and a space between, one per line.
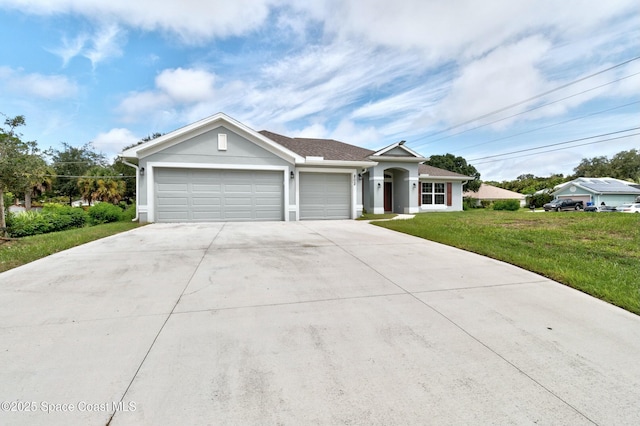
508, 85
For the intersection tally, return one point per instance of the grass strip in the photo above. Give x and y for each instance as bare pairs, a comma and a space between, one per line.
597, 253
24, 250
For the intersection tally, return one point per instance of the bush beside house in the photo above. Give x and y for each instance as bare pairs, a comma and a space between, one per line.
57, 217
511, 205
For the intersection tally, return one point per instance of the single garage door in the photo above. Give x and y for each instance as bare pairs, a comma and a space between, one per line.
195, 195
325, 196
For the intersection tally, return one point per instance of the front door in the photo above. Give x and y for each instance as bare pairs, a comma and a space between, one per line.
388, 196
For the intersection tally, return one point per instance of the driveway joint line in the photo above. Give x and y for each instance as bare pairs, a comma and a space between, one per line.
298, 302
195, 270
478, 287
465, 332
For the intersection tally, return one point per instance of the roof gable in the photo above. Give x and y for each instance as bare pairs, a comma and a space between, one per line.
205, 125
397, 150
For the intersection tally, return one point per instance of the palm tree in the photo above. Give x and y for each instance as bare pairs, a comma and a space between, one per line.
102, 184
39, 183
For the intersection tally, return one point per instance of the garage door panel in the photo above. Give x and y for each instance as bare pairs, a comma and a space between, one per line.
205, 187
173, 201
230, 188
218, 195
176, 187
206, 201
325, 196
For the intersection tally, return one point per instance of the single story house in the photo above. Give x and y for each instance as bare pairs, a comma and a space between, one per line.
610, 191
493, 193
218, 169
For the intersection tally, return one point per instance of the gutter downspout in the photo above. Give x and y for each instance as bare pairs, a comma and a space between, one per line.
135, 219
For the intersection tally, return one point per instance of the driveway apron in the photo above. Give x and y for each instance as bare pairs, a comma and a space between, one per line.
321, 322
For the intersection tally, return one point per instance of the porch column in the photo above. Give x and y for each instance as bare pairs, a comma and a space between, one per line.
414, 193
376, 189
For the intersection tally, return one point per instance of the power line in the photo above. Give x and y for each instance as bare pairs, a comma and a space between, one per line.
555, 144
550, 125
559, 149
94, 177
526, 111
532, 98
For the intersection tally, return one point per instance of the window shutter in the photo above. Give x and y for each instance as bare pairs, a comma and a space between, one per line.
419, 193
449, 195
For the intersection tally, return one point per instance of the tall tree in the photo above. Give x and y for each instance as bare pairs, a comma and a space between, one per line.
70, 164
458, 165
39, 178
102, 184
626, 165
14, 162
593, 167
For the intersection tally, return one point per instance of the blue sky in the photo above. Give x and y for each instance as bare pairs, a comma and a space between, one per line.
366, 72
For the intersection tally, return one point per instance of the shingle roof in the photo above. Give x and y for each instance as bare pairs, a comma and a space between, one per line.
329, 149
490, 192
425, 169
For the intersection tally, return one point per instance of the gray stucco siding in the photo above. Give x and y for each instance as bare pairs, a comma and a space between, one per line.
202, 152
397, 151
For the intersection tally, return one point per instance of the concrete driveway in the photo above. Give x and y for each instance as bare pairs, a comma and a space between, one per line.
335, 322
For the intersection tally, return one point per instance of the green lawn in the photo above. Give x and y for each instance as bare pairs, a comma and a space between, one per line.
28, 249
598, 253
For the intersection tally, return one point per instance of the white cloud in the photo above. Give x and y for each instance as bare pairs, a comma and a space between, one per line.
138, 105
70, 48
105, 43
504, 77
114, 140
50, 87
193, 21
186, 85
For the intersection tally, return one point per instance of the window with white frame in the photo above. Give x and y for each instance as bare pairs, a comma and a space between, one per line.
433, 193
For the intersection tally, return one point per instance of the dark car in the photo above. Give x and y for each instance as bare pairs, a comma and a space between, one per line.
600, 209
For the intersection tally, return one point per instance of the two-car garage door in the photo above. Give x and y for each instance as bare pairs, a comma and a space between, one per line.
203, 195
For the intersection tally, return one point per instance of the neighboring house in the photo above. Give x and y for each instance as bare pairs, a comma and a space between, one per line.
493, 193
596, 191
218, 169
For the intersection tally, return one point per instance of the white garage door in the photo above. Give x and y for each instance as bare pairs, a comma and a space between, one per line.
325, 196
194, 195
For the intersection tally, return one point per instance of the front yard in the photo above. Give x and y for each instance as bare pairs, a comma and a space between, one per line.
597, 253
27, 249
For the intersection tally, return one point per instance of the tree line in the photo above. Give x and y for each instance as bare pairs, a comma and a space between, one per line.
624, 165
62, 175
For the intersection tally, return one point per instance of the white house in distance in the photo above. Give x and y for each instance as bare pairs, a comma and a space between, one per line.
610, 191
493, 193
218, 169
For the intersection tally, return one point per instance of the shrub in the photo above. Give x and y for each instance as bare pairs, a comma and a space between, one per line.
512, 205
105, 213
485, 204
28, 223
470, 203
539, 200
74, 217
54, 217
